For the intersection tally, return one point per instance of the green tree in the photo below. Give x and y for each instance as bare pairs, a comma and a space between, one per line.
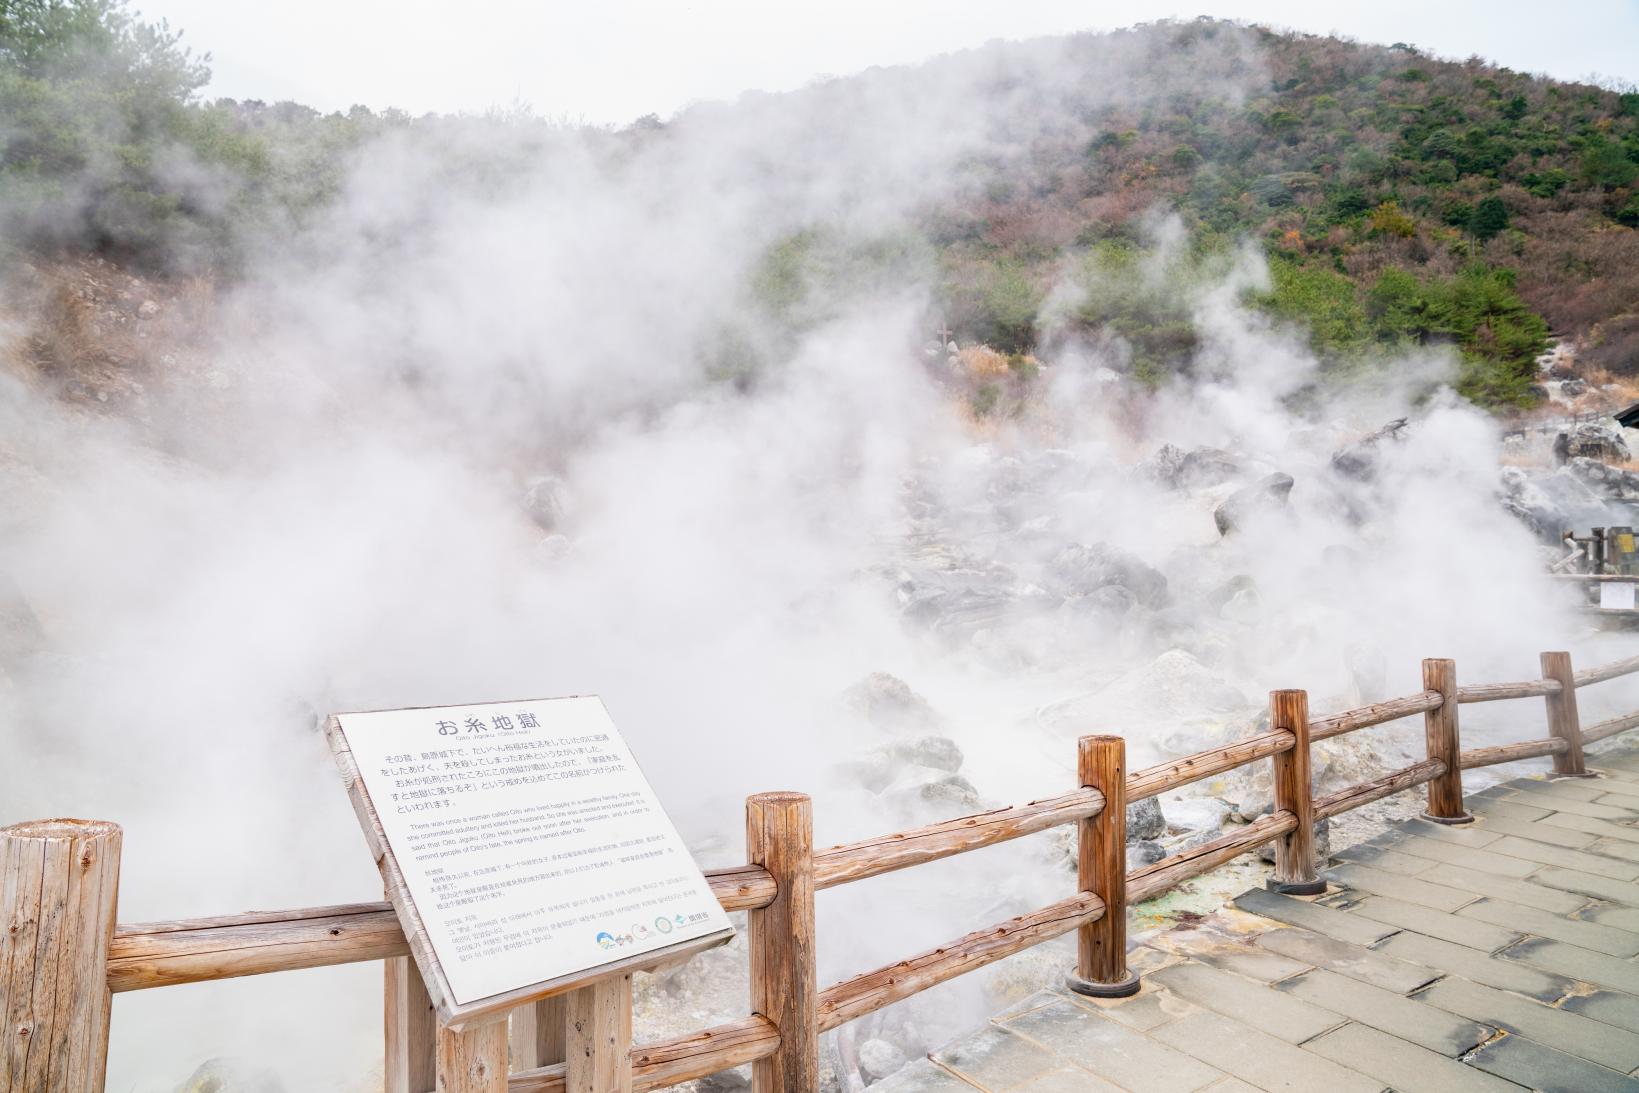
1490, 216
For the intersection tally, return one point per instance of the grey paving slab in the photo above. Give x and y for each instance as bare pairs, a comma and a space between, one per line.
1508, 975
1551, 803
1615, 848
1577, 789
1112, 1051
1510, 805
1619, 1010
1409, 916
995, 1058
1389, 1012
1385, 858
1276, 1013
1067, 1080
1588, 1039
1576, 962
1476, 835
1231, 1085
1353, 961
1587, 884
922, 1077
1468, 856
1263, 1060
1363, 878
1311, 916
1618, 787
1528, 893
1151, 1006
1587, 825
1536, 832
1536, 1066
1592, 860
1404, 1067
1606, 914
1249, 961
1589, 935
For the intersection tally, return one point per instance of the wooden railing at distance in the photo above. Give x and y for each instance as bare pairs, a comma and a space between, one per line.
61, 875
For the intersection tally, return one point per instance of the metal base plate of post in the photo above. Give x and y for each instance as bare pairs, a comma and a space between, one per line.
1123, 988
1297, 888
1449, 821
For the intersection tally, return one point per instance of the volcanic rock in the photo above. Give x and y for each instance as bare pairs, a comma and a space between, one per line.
1267, 494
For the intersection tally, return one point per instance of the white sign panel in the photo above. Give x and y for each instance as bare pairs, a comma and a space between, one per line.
529, 841
1617, 595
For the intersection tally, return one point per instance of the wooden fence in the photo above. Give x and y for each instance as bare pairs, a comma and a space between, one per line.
63, 956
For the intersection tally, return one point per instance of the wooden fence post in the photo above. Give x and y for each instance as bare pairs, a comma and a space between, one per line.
1564, 722
536, 1033
412, 1030
59, 890
784, 980
1294, 792
474, 1059
1445, 793
1101, 868
598, 1037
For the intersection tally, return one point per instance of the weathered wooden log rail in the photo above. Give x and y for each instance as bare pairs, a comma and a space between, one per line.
63, 957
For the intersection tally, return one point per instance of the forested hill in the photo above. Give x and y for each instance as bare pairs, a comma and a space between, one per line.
1401, 199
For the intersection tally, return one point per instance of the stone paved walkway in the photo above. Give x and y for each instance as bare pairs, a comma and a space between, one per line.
1485, 958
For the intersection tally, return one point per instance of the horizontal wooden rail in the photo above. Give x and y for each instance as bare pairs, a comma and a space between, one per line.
1388, 785
872, 857
668, 1062
1609, 728
164, 954
869, 992
1508, 753
1494, 692
1607, 671
1163, 777
1376, 714
1152, 880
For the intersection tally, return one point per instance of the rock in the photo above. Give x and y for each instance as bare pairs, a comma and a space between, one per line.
937, 752
1163, 464
1081, 570
1573, 388
543, 501
1613, 482
1199, 468
879, 1058
1323, 845
147, 309
1172, 685
888, 703
1359, 460
1601, 440
1267, 494
1145, 821
226, 1076
919, 786
1563, 370
726, 1081
1550, 504
1190, 814
1145, 852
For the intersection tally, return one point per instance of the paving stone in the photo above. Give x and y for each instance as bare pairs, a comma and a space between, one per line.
1572, 880
1231, 1085
1471, 857
1256, 1057
1311, 916
1590, 826
1578, 963
1623, 918
1591, 1040
1388, 1012
1151, 1006
1615, 848
1569, 805
1112, 1051
1474, 835
1514, 806
922, 1077
1528, 893
1252, 963
1609, 1007
1538, 1067
1591, 860
1576, 789
1409, 916
1616, 787
1386, 859
1066, 1080
1536, 832
1509, 975
1405, 1067
1529, 920
1366, 965
995, 1058
1363, 878
1270, 1010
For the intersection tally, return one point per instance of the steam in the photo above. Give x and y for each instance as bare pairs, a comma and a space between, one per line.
488, 431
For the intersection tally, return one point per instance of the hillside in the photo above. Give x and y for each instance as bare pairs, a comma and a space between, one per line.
1402, 200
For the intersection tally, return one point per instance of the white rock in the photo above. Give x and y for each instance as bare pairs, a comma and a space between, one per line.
879, 1058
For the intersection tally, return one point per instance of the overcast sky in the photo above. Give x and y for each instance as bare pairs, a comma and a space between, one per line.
614, 60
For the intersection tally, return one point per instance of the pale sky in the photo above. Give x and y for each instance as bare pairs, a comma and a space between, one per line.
615, 60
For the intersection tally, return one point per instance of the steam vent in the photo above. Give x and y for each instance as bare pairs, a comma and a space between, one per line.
788, 548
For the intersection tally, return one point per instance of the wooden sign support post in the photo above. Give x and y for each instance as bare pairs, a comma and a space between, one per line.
1294, 792
1101, 963
784, 978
